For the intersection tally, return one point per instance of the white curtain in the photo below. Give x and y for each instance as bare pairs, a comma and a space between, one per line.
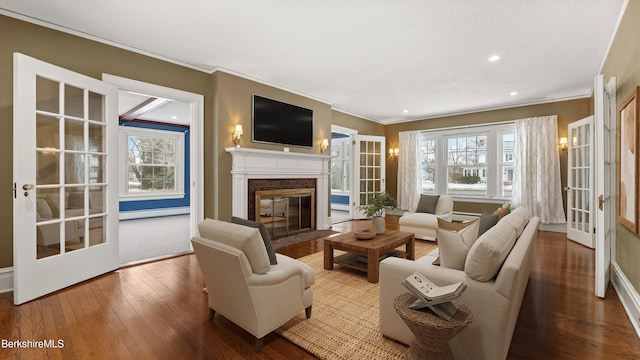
409, 169
536, 177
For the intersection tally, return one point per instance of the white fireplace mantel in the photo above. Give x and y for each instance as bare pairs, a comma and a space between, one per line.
268, 164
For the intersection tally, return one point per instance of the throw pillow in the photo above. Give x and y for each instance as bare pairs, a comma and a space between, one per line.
266, 238
43, 210
487, 255
501, 212
427, 204
487, 221
453, 246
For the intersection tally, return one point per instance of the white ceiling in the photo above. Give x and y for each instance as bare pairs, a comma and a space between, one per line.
371, 58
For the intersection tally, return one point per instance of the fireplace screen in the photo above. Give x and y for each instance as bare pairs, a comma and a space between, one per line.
286, 212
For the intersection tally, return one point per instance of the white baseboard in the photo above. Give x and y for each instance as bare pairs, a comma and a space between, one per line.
628, 296
6, 279
559, 228
130, 215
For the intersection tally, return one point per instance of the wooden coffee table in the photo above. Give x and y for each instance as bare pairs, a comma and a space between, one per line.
365, 255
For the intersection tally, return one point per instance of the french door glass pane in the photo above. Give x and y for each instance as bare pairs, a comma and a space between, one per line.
96, 107
73, 101
47, 168
47, 132
74, 135
47, 95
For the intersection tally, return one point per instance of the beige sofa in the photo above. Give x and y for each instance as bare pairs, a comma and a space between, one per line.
423, 224
243, 285
494, 302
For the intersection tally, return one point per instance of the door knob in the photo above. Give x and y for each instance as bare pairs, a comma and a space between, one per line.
27, 188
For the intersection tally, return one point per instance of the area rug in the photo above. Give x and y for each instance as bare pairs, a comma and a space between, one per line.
344, 323
294, 239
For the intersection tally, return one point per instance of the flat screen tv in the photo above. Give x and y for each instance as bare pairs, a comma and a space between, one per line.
280, 123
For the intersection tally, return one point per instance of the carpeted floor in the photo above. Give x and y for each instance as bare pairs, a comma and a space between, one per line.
344, 323
152, 238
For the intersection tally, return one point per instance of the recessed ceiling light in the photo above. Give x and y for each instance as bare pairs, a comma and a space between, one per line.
174, 117
494, 58
405, 111
513, 93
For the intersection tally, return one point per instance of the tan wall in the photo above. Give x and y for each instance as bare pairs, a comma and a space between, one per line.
623, 62
86, 57
567, 112
234, 107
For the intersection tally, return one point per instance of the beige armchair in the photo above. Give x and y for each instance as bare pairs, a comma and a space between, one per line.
241, 283
424, 224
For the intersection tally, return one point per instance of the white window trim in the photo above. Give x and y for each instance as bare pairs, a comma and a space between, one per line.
124, 134
494, 134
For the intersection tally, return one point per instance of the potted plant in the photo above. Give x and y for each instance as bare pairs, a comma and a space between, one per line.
378, 203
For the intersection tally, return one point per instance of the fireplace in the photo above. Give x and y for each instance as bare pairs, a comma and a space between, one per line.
290, 169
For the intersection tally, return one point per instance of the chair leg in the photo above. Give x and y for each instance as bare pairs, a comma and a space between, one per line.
259, 343
307, 311
212, 313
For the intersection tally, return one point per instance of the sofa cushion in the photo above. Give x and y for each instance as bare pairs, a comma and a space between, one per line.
243, 238
427, 204
518, 219
266, 238
487, 221
454, 245
488, 253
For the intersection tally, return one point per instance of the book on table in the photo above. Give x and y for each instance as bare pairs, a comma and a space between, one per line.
437, 298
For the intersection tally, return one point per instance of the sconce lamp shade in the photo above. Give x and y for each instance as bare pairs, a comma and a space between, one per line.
236, 135
563, 144
324, 146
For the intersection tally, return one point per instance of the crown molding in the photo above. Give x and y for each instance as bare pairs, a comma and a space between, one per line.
91, 37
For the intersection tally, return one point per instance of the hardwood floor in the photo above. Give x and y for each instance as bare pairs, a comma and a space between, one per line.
158, 311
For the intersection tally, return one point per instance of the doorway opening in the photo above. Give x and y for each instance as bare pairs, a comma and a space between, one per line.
160, 172
341, 176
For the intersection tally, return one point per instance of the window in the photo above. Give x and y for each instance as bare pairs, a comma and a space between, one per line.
153, 165
466, 157
474, 162
428, 155
340, 164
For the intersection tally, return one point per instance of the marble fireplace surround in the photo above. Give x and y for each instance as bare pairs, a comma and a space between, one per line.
268, 164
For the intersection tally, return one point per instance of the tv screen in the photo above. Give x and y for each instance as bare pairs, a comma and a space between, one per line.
280, 123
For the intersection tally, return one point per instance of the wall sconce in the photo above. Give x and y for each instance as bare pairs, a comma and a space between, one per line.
236, 135
324, 146
563, 144
393, 153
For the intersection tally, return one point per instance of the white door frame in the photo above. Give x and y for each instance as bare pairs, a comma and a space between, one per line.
606, 182
196, 102
352, 191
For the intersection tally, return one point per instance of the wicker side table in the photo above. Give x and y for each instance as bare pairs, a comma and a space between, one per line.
432, 333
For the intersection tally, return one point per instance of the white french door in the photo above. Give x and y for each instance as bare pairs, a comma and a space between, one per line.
65, 178
605, 167
369, 170
579, 182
